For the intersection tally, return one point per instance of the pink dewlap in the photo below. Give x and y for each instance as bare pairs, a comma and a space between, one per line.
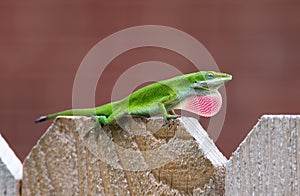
207, 105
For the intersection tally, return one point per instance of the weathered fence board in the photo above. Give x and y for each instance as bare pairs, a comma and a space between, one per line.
143, 156
267, 162
146, 156
10, 170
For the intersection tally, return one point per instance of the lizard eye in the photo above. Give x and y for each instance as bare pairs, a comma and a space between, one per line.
209, 76
196, 81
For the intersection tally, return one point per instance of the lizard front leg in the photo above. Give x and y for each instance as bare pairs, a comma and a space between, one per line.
165, 114
172, 112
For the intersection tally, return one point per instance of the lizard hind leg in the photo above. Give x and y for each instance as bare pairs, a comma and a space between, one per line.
103, 120
100, 120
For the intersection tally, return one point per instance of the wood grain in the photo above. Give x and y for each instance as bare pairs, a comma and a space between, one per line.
10, 170
267, 161
132, 157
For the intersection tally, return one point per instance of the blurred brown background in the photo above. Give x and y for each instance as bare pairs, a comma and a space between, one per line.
42, 44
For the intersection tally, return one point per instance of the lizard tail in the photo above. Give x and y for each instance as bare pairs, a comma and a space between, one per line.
81, 112
53, 116
41, 119
105, 110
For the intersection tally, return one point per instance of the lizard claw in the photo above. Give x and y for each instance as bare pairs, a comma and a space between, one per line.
173, 116
169, 117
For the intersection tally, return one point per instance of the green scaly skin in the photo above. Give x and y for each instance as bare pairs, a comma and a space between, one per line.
157, 98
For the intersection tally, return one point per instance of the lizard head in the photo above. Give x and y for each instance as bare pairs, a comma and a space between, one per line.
208, 81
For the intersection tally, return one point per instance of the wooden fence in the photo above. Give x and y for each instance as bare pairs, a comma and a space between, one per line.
145, 156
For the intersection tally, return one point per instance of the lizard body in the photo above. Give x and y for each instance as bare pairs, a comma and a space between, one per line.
196, 92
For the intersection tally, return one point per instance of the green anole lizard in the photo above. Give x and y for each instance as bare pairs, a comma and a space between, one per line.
196, 92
